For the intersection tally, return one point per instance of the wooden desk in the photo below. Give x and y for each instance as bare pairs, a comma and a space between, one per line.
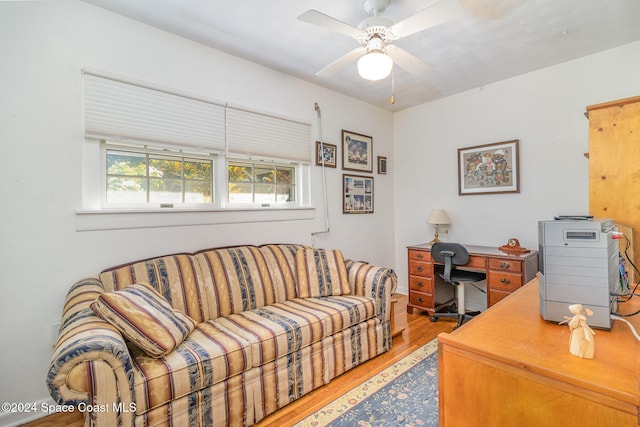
505, 274
508, 366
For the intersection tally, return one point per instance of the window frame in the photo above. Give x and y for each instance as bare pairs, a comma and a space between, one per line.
156, 104
264, 164
148, 151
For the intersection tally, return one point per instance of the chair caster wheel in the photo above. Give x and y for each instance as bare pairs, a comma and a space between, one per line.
433, 319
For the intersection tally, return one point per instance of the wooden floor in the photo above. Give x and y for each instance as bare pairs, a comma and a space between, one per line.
418, 331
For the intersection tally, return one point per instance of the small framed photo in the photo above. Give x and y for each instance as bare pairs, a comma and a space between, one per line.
382, 165
357, 194
489, 168
326, 153
357, 152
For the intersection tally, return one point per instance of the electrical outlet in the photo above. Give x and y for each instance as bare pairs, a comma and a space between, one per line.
54, 331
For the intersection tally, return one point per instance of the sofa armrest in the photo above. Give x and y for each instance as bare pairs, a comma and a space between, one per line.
91, 364
377, 282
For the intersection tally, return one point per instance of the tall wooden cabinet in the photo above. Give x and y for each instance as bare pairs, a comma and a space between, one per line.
614, 163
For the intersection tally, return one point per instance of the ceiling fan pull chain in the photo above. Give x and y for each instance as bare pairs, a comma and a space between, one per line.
393, 87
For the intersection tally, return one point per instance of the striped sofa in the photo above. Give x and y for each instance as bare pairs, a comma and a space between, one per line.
261, 326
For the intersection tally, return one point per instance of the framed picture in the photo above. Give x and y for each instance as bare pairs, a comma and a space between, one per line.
326, 152
357, 152
382, 165
357, 194
490, 168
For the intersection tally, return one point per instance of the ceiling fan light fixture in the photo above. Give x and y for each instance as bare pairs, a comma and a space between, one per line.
374, 65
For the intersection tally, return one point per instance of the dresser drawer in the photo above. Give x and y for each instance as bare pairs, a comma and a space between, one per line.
420, 284
418, 268
505, 265
421, 300
419, 255
505, 282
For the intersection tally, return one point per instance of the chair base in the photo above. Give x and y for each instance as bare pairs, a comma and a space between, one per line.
461, 317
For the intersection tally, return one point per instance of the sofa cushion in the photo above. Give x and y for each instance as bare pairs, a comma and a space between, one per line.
337, 312
321, 273
145, 318
176, 277
284, 328
238, 279
210, 355
281, 260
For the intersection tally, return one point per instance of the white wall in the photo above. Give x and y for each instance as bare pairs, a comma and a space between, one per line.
545, 111
44, 46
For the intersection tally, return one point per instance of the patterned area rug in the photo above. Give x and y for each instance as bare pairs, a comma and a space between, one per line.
404, 394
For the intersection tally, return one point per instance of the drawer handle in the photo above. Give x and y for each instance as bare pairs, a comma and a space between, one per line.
505, 281
419, 256
420, 299
420, 269
505, 265
419, 284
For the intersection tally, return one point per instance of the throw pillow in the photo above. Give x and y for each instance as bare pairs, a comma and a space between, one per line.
321, 273
143, 316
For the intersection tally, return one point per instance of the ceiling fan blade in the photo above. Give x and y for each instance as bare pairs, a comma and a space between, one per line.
407, 61
436, 14
341, 62
318, 18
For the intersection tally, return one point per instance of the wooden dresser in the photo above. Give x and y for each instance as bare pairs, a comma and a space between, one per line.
505, 274
508, 366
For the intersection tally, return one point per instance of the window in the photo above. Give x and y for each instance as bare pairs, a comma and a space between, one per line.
149, 146
261, 183
144, 176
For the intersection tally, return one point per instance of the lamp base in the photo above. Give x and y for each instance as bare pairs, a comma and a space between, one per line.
436, 235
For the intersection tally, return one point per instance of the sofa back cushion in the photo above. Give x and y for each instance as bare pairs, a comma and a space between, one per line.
176, 277
281, 260
321, 273
238, 278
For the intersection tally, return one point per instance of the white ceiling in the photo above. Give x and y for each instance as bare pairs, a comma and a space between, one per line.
492, 41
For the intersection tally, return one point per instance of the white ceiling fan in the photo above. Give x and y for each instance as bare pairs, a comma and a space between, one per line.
376, 53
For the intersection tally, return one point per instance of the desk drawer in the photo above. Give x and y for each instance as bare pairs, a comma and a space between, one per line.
478, 262
420, 284
505, 282
419, 255
417, 268
422, 300
505, 265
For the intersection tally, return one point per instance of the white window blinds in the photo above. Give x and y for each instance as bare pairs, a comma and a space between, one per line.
260, 135
119, 110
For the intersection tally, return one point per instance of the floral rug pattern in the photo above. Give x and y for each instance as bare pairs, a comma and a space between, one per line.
404, 394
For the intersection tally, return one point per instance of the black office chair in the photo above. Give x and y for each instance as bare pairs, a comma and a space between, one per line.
451, 255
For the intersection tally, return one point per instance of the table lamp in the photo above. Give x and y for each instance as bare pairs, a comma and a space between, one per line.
437, 217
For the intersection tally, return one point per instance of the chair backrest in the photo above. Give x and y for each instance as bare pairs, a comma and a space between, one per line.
457, 253
449, 254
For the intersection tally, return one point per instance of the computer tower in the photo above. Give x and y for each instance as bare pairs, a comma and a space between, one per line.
579, 265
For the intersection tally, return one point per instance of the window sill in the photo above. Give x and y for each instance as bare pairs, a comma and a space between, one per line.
111, 219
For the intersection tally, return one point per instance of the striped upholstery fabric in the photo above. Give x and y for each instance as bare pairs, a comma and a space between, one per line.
321, 273
256, 346
238, 278
228, 403
357, 344
281, 261
210, 355
288, 378
175, 277
376, 282
280, 329
90, 348
141, 314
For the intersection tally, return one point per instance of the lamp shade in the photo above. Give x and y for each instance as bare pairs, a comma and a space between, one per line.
438, 216
374, 65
